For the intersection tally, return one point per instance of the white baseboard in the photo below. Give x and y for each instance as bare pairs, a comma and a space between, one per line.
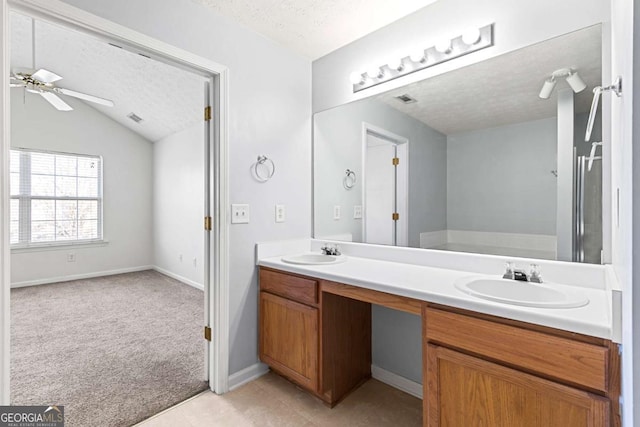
396, 381
179, 278
79, 276
246, 375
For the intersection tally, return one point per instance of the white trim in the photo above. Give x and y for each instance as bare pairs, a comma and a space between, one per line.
179, 278
396, 381
62, 13
5, 251
402, 183
58, 246
71, 277
247, 375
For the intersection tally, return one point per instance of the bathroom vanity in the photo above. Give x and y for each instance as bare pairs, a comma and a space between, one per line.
482, 364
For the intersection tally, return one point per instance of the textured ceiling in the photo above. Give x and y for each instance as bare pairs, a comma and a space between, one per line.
505, 89
167, 98
314, 28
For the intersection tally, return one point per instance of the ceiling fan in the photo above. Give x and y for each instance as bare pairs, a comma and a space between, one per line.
42, 82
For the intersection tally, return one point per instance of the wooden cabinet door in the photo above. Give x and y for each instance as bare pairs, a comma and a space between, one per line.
466, 391
289, 339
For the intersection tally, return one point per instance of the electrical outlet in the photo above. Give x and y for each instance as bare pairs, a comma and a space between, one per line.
336, 212
357, 212
239, 214
280, 213
71, 257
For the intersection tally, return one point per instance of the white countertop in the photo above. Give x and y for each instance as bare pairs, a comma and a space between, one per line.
435, 285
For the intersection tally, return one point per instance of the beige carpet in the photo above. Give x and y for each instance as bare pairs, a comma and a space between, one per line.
113, 350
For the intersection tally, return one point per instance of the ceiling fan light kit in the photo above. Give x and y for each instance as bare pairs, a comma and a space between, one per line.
41, 83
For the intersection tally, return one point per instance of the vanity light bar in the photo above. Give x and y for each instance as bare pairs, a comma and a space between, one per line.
443, 51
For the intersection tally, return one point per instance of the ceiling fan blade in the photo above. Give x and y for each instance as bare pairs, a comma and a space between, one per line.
46, 76
16, 82
84, 96
55, 100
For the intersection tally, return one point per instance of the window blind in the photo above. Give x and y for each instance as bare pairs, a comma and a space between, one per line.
55, 197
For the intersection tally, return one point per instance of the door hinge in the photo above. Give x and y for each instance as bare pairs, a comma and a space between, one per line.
207, 113
395, 216
207, 333
395, 161
207, 223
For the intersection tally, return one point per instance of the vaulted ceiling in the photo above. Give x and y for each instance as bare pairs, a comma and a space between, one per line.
168, 99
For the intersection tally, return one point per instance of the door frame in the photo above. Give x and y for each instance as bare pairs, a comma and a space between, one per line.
402, 179
216, 185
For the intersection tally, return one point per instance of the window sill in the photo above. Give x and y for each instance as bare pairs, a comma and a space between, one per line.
57, 246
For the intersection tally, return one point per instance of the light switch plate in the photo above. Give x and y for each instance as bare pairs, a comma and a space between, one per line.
280, 213
357, 212
239, 214
336, 212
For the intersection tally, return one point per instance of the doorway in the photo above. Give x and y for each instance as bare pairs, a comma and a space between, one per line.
385, 187
214, 261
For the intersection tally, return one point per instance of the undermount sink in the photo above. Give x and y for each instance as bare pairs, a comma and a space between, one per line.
314, 259
521, 293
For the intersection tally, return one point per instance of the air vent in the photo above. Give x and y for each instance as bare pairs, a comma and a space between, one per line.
406, 99
134, 117
115, 45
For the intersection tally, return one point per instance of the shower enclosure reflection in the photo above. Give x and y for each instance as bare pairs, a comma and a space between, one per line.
490, 166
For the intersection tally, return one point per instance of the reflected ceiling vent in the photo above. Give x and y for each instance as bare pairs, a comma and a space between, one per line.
406, 99
134, 117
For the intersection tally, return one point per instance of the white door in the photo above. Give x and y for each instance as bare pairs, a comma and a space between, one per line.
380, 191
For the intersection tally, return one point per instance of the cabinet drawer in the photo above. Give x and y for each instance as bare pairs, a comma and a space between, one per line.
294, 287
561, 358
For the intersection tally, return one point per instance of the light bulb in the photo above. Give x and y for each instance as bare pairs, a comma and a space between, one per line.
375, 72
395, 64
471, 36
443, 46
418, 56
356, 78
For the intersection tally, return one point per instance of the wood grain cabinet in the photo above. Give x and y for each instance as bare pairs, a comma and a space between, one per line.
289, 322
320, 341
480, 371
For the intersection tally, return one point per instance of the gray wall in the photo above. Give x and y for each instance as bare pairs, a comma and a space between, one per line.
269, 113
397, 342
338, 146
500, 180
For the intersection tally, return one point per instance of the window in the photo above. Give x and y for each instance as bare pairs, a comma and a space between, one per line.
55, 198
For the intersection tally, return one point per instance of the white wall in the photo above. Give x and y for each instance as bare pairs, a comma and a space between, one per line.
499, 179
127, 175
269, 113
178, 205
338, 146
517, 24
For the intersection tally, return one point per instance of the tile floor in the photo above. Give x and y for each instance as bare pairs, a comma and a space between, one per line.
273, 401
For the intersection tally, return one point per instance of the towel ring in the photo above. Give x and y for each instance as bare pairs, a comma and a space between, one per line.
263, 160
349, 180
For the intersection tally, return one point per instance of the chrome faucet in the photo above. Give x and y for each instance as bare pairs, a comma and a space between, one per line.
328, 249
517, 274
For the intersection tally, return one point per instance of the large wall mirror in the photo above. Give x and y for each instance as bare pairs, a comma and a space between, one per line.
489, 158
